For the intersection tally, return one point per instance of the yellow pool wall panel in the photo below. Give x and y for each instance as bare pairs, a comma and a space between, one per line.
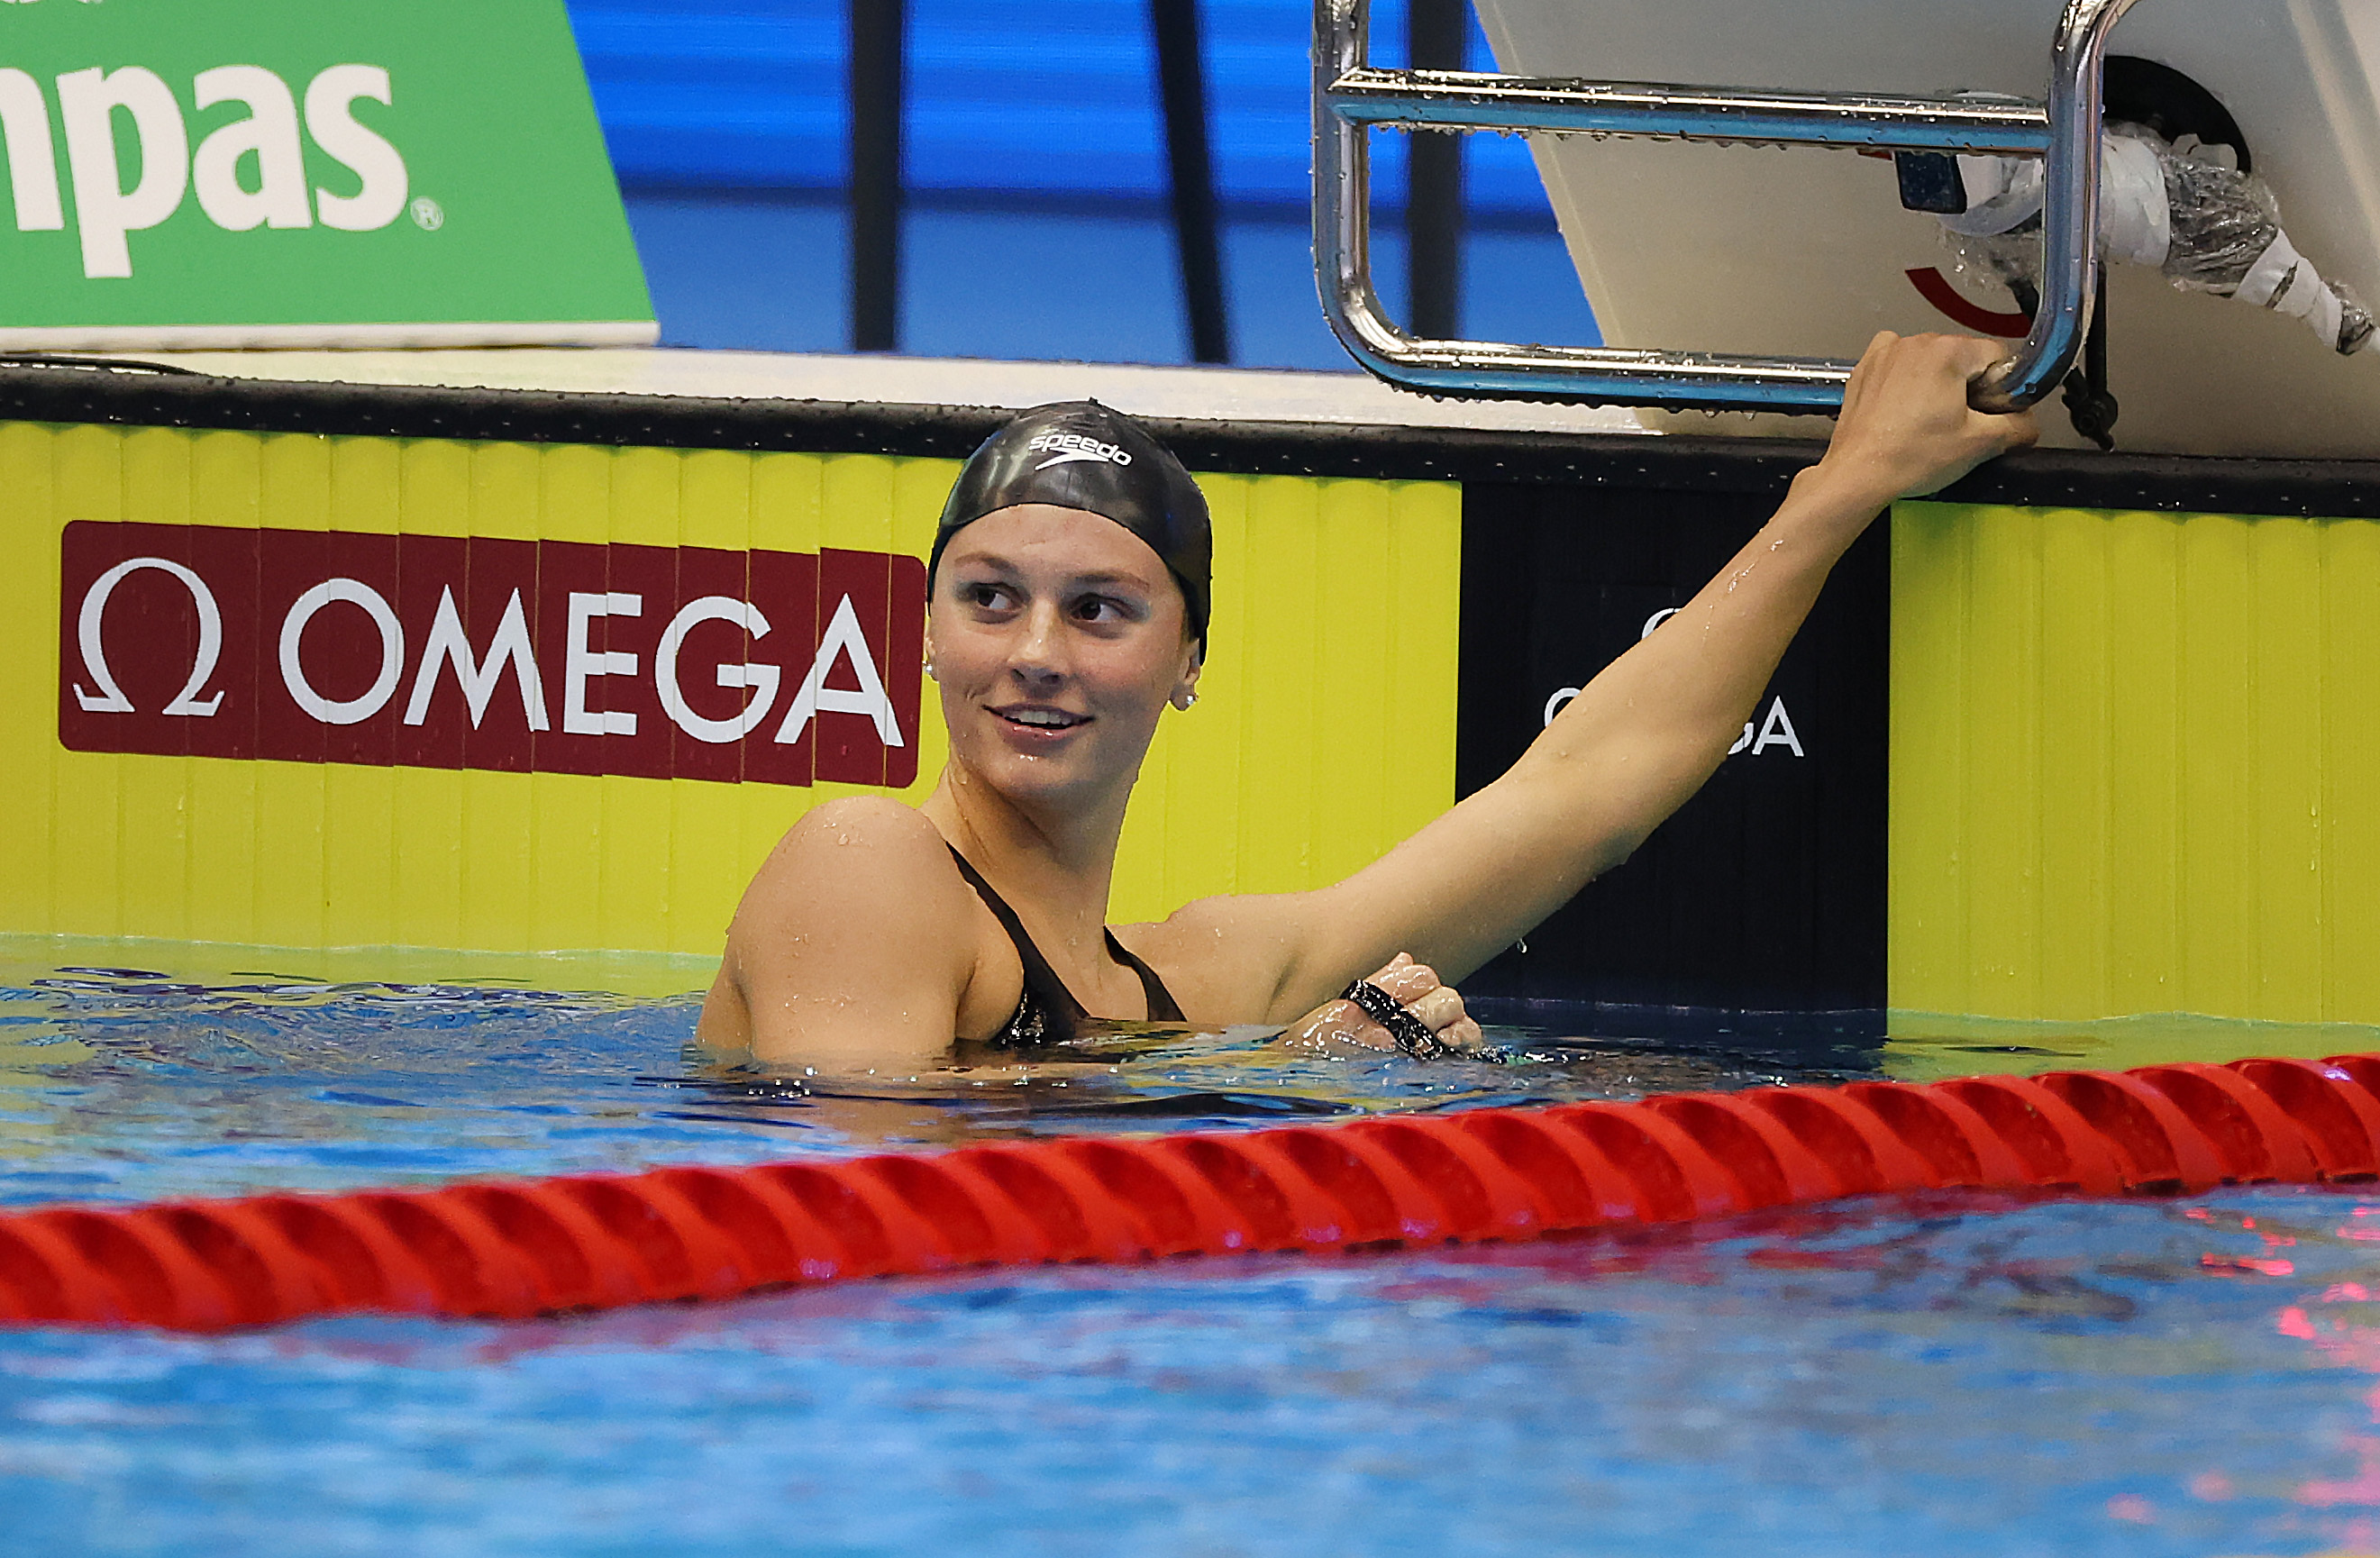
1324, 732
2135, 766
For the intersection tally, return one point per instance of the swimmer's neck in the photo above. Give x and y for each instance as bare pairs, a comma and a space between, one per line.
1059, 860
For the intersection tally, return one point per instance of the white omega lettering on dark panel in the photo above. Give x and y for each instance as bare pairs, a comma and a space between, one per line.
349, 711
1777, 731
1563, 695
448, 643
843, 639
760, 678
580, 664
1774, 730
111, 698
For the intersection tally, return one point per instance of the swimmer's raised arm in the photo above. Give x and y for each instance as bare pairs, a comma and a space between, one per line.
1069, 595
1648, 731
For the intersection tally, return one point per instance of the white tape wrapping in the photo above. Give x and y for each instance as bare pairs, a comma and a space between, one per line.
2272, 268
2135, 220
2309, 298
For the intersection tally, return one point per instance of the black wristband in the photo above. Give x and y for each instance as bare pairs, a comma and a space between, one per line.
1412, 1034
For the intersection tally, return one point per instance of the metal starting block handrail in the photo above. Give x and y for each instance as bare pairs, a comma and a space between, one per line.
1349, 96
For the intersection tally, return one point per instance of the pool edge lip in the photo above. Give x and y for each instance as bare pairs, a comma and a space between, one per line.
133, 393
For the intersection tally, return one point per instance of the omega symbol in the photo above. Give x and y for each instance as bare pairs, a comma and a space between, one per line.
111, 698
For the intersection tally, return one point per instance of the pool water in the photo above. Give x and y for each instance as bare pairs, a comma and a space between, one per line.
130, 1083
1950, 1374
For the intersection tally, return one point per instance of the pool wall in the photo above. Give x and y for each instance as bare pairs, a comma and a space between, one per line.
2084, 741
2135, 763
1323, 735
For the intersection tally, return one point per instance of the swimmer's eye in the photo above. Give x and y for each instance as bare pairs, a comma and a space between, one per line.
987, 597
1109, 610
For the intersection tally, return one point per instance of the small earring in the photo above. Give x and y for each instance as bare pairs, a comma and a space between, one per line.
930, 671
1183, 699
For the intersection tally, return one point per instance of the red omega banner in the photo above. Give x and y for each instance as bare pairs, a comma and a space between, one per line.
441, 651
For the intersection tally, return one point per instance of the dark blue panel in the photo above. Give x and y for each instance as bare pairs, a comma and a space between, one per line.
1039, 98
1765, 892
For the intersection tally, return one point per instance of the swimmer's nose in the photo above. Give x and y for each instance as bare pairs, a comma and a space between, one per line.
1038, 658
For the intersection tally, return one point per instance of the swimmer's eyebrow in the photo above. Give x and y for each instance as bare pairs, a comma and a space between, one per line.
1108, 576
998, 564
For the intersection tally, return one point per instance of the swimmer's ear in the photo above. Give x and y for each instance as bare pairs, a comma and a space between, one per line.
930, 641
1185, 691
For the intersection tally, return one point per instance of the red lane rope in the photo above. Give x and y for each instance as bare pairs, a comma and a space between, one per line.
589, 1242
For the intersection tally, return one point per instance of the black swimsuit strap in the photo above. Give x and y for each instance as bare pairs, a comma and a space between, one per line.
1046, 1009
1162, 1007
1043, 985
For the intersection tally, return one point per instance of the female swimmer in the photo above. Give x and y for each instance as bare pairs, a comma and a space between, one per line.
1068, 607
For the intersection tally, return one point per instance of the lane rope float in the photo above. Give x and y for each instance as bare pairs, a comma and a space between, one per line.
508, 1249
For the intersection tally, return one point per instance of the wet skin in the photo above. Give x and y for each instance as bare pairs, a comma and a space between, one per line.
1057, 641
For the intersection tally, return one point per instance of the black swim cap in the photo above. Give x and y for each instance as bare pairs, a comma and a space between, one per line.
1080, 455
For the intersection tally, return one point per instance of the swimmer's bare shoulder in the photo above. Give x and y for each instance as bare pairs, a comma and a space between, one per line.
854, 946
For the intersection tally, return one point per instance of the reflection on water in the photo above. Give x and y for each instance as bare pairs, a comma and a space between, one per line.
206, 1071
1926, 1046
1948, 1375
131, 1082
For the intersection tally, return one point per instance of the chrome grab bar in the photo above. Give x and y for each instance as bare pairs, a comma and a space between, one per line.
1349, 96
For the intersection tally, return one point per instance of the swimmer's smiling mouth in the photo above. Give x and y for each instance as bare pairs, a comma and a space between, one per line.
1035, 716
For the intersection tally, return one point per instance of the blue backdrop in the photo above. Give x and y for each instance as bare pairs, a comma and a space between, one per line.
1034, 147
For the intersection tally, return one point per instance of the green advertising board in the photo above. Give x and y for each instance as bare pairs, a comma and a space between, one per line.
286, 173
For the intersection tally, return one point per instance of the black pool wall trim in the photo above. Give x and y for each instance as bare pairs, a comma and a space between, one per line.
77, 393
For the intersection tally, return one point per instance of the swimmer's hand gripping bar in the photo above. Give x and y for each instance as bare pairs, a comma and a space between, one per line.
1349, 96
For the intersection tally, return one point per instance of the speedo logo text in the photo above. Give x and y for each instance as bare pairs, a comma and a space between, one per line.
1064, 448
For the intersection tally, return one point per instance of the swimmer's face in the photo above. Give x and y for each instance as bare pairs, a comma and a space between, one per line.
1057, 637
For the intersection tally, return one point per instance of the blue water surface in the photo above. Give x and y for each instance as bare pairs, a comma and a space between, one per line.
123, 1083
1945, 1374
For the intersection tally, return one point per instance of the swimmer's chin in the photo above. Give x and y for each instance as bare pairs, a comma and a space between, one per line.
1026, 768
